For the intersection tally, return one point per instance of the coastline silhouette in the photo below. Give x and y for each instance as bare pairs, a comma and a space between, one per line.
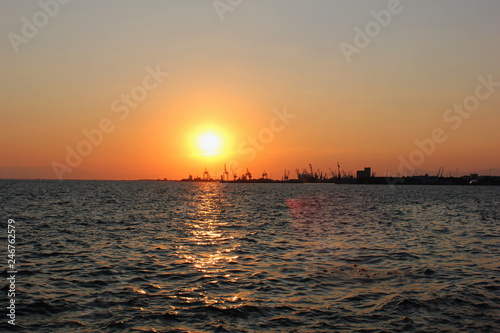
342, 177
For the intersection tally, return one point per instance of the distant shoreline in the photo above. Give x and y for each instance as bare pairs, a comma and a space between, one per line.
413, 180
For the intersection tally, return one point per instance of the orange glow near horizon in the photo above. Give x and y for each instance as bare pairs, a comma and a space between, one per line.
112, 112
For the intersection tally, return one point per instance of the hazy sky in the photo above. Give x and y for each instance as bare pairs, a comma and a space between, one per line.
283, 83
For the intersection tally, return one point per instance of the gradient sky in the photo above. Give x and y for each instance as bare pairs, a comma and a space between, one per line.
229, 75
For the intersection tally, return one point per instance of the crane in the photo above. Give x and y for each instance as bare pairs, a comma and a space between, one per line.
226, 173
440, 172
206, 175
331, 171
249, 175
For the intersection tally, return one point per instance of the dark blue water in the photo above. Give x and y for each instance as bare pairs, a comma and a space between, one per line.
96, 256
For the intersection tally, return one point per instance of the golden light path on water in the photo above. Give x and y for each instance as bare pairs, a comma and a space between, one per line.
210, 247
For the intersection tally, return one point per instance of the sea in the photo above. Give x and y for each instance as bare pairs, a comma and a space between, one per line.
155, 256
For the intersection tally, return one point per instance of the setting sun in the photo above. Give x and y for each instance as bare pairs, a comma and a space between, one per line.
209, 143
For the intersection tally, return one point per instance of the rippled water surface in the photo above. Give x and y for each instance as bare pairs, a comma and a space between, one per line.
95, 256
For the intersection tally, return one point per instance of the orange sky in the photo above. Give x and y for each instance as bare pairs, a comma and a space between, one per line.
147, 80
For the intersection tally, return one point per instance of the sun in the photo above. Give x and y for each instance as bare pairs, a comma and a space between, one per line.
209, 143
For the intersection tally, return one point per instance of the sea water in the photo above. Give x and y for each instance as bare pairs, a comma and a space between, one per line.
133, 256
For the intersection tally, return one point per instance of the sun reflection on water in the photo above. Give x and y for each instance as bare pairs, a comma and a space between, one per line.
207, 251
210, 239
